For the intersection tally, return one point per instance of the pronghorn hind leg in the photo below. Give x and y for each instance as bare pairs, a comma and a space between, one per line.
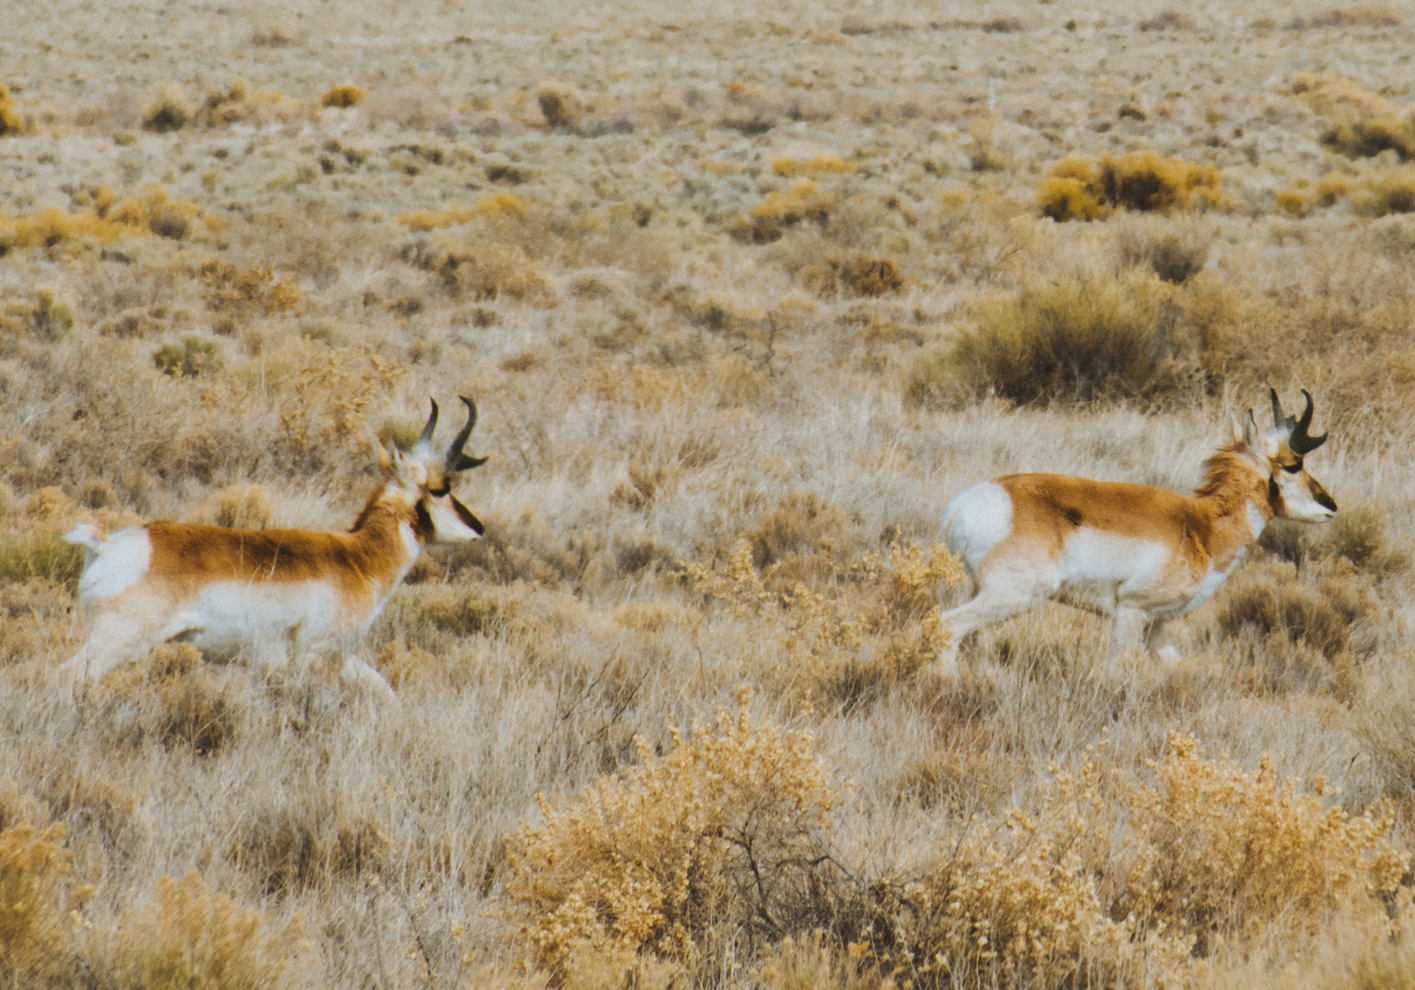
996, 600
114, 639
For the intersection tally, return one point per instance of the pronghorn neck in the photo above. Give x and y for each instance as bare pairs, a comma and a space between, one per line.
388, 522
1235, 491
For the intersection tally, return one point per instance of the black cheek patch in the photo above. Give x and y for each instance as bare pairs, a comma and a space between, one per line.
1276, 502
464, 514
425, 526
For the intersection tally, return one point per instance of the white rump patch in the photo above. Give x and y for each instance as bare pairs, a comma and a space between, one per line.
978, 519
114, 564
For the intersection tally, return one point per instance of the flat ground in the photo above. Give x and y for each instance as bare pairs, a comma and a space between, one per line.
706, 270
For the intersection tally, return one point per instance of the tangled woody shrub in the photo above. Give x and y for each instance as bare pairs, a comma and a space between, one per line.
1076, 189
724, 830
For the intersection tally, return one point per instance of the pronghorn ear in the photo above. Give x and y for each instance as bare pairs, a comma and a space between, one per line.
1237, 430
1250, 432
385, 463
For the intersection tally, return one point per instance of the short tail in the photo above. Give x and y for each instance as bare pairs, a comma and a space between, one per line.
88, 536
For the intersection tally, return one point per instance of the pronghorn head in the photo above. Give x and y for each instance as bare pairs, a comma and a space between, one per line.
424, 477
1279, 452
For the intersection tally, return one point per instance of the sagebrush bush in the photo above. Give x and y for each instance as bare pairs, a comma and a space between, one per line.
1174, 252
491, 271
1384, 193
559, 104
46, 317
679, 851
1077, 339
167, 110
191, 358
791, 168
256, 290
172, 698
1147, 181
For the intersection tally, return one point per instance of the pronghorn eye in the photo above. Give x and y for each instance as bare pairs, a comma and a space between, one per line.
1292, 468
439, 492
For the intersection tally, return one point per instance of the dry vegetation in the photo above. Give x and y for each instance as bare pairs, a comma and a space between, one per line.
744, 296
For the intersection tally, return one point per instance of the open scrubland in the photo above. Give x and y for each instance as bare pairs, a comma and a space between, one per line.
745, 294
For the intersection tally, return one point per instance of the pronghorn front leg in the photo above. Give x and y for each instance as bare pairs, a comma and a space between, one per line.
1157, 639
357, 671
1127, 633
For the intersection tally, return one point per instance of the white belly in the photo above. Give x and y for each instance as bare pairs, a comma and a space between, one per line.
268, 618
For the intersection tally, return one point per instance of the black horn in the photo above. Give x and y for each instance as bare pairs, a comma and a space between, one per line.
456, 460
426, 437
1298, 439
1301, 441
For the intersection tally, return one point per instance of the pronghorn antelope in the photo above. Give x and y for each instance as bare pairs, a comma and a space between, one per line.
1146, 555
272, 592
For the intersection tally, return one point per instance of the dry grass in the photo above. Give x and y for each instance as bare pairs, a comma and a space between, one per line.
742, 307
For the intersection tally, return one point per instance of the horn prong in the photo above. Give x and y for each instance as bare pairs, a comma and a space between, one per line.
456, 460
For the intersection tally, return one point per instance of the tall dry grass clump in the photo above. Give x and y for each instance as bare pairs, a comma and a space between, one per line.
1077, 189
672, 856
1077, 339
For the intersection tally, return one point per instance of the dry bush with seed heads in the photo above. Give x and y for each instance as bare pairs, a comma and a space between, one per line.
188, 935
663, 857
247, 291
37, 901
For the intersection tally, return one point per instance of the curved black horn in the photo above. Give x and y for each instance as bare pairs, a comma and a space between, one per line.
426, 437
1301, 441
456, 460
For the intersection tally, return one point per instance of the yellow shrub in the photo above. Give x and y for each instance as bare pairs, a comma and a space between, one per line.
196, 937
11, 123
819, 165
773, 216
342, 97
720, 830
1388, 191
559, 104
36, 901
1140, 180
